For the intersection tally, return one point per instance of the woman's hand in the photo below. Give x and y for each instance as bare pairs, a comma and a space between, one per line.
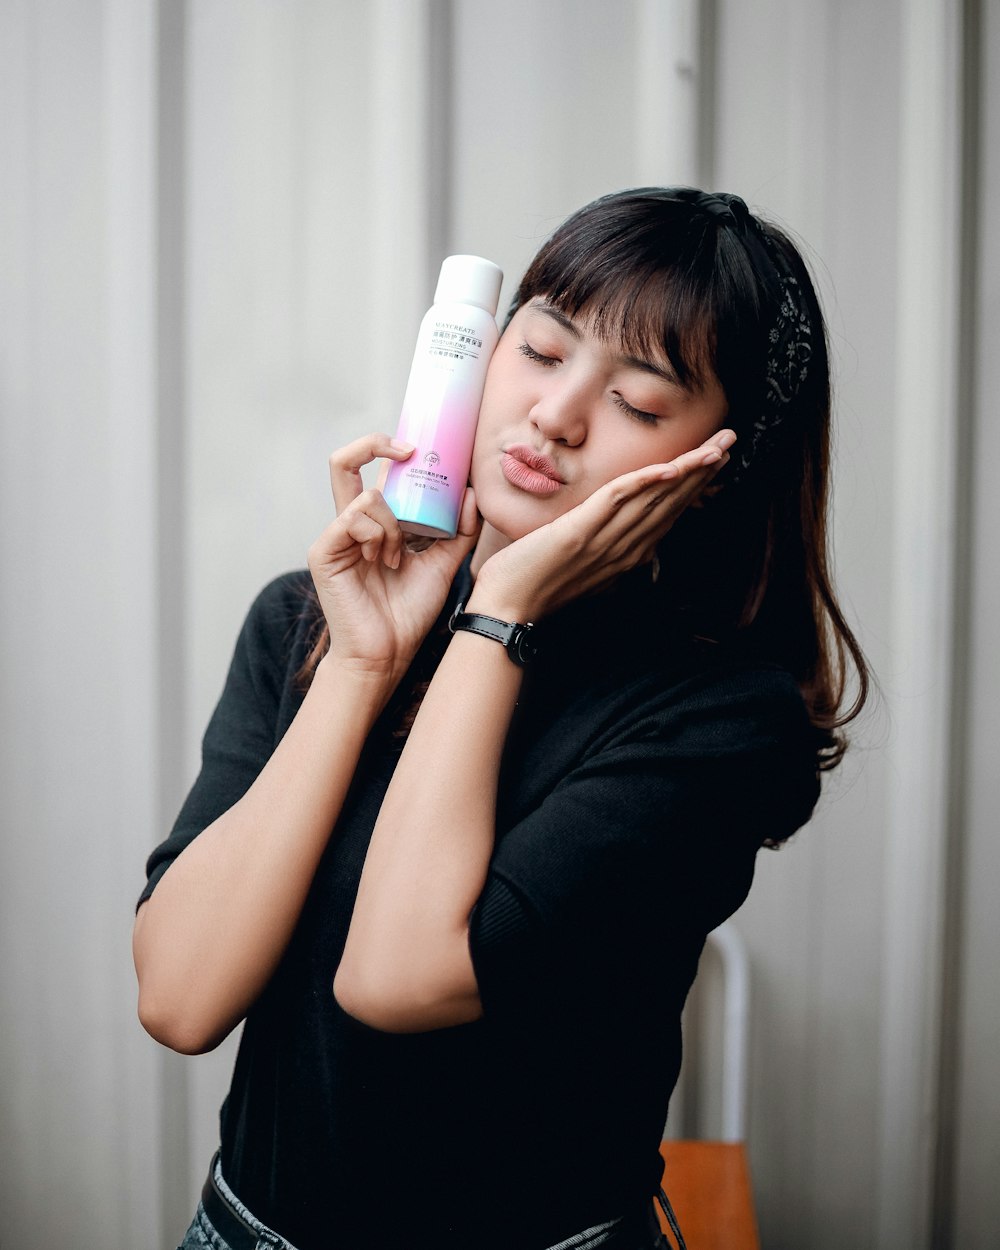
588, 547
380, 599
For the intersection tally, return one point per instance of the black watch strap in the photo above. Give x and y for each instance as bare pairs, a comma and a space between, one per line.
515, 638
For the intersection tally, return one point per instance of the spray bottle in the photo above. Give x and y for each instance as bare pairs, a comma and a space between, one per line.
441, 405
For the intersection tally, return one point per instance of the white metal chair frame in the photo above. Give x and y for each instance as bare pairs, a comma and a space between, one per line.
728, 943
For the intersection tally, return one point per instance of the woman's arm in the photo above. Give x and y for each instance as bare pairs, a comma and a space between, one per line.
210, 936
407, 964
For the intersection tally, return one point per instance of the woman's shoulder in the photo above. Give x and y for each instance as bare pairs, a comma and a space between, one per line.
286, 593
279, 625
284, 601
741, 722
724, 678
635, 657
715, 701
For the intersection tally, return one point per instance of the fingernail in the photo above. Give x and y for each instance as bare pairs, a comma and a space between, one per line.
726, 440
400, 446
669, 472
711, 457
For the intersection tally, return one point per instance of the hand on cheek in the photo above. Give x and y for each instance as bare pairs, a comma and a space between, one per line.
586, 548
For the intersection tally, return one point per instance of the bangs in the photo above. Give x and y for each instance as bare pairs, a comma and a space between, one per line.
647, 289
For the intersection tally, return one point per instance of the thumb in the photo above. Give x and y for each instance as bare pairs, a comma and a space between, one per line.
469, 525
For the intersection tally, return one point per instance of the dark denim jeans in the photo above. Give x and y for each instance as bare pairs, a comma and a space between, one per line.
641, 1234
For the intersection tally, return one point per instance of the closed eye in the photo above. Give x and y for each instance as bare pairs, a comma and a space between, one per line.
526, 349
637, 414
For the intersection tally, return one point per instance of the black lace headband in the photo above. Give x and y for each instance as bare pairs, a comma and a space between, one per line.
790, 338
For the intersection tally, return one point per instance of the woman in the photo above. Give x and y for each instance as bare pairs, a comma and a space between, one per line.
458, 889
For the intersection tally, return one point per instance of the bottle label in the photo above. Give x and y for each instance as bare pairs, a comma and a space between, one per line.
439, 415
450, 341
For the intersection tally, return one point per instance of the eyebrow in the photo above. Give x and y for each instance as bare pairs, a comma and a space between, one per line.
634, 362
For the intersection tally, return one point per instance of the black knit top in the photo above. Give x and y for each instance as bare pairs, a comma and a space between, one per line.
641, 774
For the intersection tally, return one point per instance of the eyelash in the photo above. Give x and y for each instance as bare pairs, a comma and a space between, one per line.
527, 350
637, 414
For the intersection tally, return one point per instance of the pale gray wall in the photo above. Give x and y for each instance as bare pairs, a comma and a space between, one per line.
205, 208
974, 1083
807, 121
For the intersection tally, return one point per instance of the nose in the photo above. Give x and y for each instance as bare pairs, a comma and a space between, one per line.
560, 415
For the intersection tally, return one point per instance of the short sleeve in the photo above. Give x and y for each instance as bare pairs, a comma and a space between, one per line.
243, 730
649, 840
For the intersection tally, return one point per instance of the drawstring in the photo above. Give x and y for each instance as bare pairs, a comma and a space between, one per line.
675, 1228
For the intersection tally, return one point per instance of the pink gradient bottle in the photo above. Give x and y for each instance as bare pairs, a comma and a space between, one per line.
441, 406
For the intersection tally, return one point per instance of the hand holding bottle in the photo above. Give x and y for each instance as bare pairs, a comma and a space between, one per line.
379, 599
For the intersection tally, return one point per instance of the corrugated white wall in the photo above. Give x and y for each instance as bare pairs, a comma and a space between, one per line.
79, 1092
971, 1106
219, 227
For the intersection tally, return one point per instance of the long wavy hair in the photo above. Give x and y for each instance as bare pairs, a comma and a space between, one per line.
656, 270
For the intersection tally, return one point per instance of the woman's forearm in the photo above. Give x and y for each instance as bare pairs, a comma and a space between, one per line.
407, 965
210, 936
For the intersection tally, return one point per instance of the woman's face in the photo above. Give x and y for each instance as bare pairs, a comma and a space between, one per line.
565, 411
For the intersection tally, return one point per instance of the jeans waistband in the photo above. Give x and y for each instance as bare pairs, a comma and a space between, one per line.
641, 1232
241, 1230
232, 1221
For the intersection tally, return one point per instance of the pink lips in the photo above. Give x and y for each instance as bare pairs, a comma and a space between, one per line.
527, 470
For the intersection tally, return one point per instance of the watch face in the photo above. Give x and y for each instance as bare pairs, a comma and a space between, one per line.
521, 646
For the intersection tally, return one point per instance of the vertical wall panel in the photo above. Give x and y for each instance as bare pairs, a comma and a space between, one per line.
130, 469
923, 571
806, 130
77, 636
974, 1216
543, 120
672, 83
171, 1177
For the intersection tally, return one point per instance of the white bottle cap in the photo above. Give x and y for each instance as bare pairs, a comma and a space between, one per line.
469, 280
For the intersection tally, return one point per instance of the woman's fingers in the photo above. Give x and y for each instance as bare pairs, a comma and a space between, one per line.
368, 523
610, 532
642, 505
683, 476
469, 525
346, 464
469, 521
368, 534
371, 522
712, 452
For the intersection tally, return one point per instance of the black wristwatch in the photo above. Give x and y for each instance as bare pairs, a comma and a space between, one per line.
515, 638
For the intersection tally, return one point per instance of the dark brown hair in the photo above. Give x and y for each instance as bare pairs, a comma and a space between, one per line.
660, 272
667, 274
